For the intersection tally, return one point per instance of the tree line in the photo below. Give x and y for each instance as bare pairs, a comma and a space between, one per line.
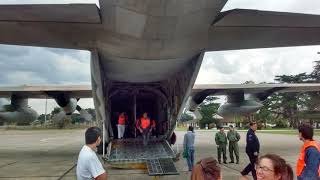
74, 118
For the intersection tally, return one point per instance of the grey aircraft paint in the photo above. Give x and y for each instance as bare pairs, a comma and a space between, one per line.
150, 51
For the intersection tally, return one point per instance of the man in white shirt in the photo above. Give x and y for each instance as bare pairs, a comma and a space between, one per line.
89, 166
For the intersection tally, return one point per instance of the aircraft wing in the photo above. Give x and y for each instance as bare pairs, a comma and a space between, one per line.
54, 25
245, 29
85, 91
261, 91
75, 91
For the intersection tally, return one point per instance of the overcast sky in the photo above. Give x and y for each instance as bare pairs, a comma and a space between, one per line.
35, 65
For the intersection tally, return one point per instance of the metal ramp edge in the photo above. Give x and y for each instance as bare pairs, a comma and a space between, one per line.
133, 151
161, 167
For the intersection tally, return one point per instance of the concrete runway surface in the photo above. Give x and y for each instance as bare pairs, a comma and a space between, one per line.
52, 154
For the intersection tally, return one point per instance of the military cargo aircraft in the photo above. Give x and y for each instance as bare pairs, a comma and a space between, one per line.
129, 152
145, 55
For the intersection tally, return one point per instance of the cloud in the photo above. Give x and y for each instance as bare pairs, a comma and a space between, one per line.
48, 1
24, 76
294, 6
35, 65
258, 65
8, 51
223, 65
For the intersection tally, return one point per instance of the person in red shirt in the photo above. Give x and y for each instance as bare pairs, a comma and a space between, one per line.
122, 124
145, 126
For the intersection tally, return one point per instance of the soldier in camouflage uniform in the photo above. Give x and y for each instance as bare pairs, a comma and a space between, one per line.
221, 141
233, 137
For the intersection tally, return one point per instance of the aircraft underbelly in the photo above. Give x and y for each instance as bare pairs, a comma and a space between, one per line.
143, 71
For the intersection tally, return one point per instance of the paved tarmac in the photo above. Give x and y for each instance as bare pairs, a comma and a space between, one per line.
52, 154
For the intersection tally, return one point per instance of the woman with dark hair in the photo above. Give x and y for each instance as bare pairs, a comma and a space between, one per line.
188, 146
206, 169
273, 167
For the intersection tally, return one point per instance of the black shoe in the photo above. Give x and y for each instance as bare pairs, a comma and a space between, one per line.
237, 162
225, 162
231, 162
219, 162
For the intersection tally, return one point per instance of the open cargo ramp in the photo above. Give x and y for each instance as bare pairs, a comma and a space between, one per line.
131, 153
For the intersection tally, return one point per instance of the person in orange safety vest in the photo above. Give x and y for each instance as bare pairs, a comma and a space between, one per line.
308, 165
145, 126
121, 124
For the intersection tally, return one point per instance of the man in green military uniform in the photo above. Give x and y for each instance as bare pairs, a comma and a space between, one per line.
221, 141
233, 137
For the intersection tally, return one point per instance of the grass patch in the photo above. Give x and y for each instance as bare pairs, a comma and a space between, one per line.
287, 132
31, 128
181, 128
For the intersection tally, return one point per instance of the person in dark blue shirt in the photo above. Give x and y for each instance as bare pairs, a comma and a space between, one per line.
252, 150
309, 159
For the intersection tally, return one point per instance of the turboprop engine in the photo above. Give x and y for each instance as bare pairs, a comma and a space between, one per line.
237, 104
68, 106
17, 111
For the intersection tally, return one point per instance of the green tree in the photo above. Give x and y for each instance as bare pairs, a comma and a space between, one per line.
207, 109
314, 77
76, 118
287, 105
56, 110
281, 123
315, 74
299, 78
185, 117
264, 116
64, 122
249, 82
42, 118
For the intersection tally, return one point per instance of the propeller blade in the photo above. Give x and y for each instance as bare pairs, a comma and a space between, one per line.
197, 114
84, 114
59, 117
